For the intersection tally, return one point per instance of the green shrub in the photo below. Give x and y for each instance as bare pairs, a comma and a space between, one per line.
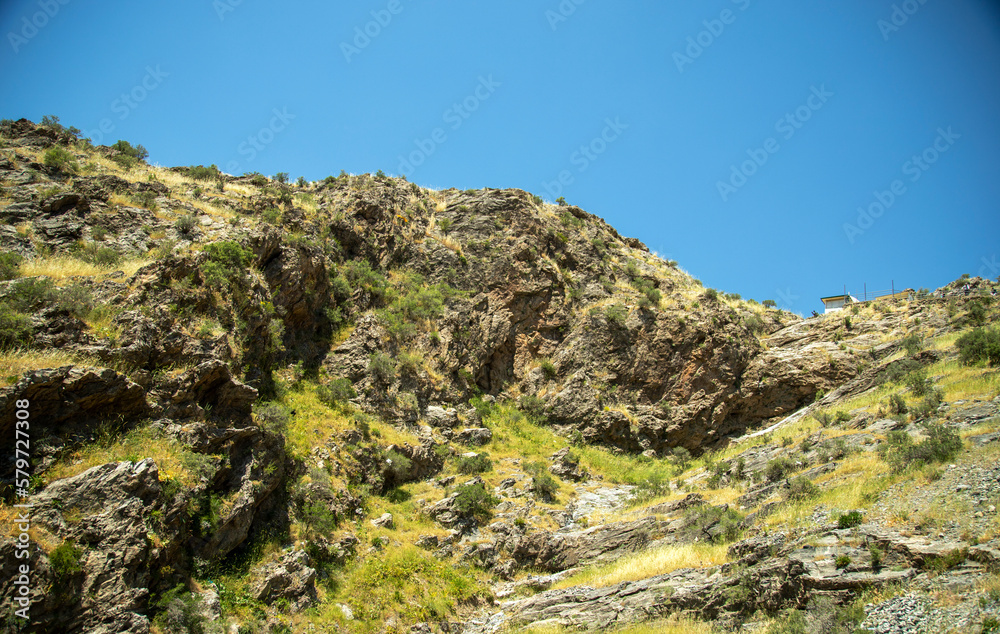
137, 152
179, 612
616, 315
382, 368
542, 484
272, 216
990, 624
15, 328
801, 488
918, 382
475, 501
719, 524
768, 303
912, 344
548, 368
849, 520
778, 468
202, 173
10, 265
336, 392
94, 253
980, 345
30, 294
876, 554
77, 300
480, 463
272, 416
59, 158
711, 294
531, 405
185, 224
399, 465
842, 561
977, 314
65, 560
941, 444
896, 404
227, 261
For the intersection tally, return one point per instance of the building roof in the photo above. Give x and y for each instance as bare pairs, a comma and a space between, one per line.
832, 297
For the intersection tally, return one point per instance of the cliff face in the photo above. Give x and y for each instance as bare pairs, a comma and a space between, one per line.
246, 362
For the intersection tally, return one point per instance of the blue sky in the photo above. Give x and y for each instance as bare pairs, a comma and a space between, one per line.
739, 137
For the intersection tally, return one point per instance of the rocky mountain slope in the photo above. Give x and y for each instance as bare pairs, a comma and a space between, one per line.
359, 405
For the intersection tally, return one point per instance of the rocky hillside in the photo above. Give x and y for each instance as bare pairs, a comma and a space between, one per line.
359, 405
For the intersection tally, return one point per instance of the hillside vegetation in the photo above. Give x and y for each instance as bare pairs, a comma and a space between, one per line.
359, 405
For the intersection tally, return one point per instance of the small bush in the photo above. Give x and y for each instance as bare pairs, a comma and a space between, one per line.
531, 405
801, 488
382, 368
849, 520
185, 224
842, 561
272, 416
980, 345
876, 554
912, 344
65, 560
10, 264
480, 463
226, 261
778, 468
616, 315
977, 314
137, 152
59, 158
180, 612
542, 484
202, 173
711, 294
336, 392
918, 382
941, 444
475, 501
768, 303
15, 328
548, 368
896, 404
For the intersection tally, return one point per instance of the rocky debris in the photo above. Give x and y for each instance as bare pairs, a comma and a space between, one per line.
441, 417
553, 552
566, 466
904, 614
383, 521
208, 389
290, 579
476, 436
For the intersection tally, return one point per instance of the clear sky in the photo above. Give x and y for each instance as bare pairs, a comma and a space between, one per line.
739, 137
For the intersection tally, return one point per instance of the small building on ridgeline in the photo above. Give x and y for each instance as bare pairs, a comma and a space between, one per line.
836, 302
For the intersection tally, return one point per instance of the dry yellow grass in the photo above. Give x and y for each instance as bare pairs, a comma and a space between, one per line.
144, 442
17, 362
649, 563
62, 267
672, 625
